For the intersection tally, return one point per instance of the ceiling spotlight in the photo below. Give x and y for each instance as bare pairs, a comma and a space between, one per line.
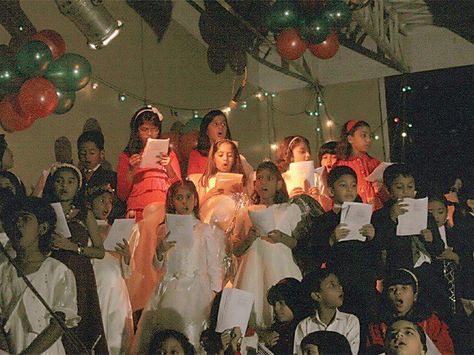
92, 19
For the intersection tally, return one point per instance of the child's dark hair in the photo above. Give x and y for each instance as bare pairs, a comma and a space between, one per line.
145, 114
161, 336
287, 290
281, 195
418, 328
284, 154
17, 184
211, 169
338, 171
49, 191
395, 170
312, 283
328, 343
204, 144
172, 191
327, 148
439, 198
95, 137
43, 212
344, 148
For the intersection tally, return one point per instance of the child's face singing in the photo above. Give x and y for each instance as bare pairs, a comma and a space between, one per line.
301, 153
184, 200
266, 184
29, 230
66, 185
148, 130
224, 158
5, 183
402, 298
403, 187
344, 189
330, 293
470, 204
360, 140
102, 205
171, 346
283, 313
328, 160
403, 339
89, 155
439, 212
217, 129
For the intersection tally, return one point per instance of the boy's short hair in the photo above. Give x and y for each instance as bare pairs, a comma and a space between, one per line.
328, 342
312, 283
418, 328
287, 290
327, 148
91, 136
395, 170
339, 171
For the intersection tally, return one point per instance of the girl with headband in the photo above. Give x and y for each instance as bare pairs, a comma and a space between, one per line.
352, 149
141, 186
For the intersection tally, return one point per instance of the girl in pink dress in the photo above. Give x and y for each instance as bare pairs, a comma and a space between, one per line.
352, 152
142, 186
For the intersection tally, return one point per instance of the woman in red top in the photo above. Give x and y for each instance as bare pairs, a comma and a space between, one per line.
352, 152
140, 186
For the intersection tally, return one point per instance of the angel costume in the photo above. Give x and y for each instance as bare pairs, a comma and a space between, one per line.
182, 299
26, 317
265, 263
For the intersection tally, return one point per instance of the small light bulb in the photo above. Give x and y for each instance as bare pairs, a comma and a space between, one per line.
243, 105
21, 28
265, 94
376, 137
273, 146
95, 85
410, 125
259, 96
404, 134
318, 129
274, 95
195, 114
226, 109
329, 123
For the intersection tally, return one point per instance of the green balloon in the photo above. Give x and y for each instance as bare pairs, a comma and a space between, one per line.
33, 58
283, 14
338, 14
315, 30
192, 125
10, 81
70, 72
66, 101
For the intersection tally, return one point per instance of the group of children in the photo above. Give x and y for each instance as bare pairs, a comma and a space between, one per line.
314, 291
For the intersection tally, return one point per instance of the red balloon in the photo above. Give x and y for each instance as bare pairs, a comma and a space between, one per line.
53, 40
37, 97
326, 49
11, 117
290, 45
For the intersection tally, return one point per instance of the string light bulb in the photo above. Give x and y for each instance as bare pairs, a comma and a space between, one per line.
404, 134
122, 97
226, 109
195, 114
94, 85
273, 146
376, 138
329, 123
243, 104
259, 96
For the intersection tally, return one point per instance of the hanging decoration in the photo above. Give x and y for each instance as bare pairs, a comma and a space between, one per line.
40, 79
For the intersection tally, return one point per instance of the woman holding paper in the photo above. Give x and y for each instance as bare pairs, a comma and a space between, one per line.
141, 185
263, 239
192, 270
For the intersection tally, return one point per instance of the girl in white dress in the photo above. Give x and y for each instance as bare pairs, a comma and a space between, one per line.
109, 275
192, 275
265, 259
30, 328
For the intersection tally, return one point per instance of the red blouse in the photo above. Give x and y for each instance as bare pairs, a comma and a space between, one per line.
197, 162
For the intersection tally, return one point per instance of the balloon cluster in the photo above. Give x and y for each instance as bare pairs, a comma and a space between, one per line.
39, 80
308, 24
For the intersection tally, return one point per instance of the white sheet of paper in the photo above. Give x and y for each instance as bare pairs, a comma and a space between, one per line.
377, 174
234, 309
355, 215
415, 219
61, 223
303, 169
3, 238
152, 152
292, 182
121, 229
181, 229
263, 219
225, 181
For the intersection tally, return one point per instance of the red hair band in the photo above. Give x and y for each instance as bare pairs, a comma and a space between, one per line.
351, 125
